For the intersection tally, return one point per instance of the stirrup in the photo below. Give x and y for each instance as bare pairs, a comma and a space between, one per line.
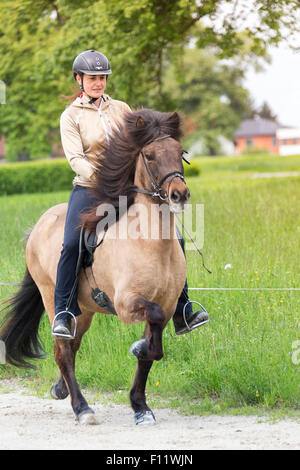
62, 335
190, 328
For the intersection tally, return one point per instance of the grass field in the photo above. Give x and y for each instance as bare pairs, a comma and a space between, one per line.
245, 358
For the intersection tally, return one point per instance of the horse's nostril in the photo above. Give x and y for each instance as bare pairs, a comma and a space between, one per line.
175, 196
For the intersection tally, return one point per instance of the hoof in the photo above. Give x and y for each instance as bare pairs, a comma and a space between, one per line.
58, 395
140, 349
144, 418
87, 417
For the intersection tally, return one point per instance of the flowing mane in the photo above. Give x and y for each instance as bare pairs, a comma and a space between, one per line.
114, 175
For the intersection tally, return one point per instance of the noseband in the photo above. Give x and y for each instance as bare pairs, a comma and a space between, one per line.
157, 186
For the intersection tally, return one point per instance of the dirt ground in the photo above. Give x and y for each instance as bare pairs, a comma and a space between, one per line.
29, 422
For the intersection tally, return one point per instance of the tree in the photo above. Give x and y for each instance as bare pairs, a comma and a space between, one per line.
265, 112
210, 92
40, 38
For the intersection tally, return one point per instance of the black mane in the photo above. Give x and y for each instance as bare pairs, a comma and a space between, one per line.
114, 175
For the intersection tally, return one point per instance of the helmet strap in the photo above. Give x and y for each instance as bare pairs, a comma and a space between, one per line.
91, 101
81, 81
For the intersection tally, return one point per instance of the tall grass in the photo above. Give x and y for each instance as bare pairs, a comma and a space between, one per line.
244, 356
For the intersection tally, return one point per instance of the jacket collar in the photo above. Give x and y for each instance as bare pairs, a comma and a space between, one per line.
83, 101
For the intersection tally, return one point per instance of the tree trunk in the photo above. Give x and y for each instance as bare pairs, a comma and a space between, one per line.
23, 157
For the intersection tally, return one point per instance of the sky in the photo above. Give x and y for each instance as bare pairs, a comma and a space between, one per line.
279, 85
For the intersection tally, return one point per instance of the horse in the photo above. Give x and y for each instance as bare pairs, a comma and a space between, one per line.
143, 276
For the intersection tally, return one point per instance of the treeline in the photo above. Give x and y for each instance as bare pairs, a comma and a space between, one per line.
180, 54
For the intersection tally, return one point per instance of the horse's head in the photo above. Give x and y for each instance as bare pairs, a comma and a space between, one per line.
143, 155
159, 170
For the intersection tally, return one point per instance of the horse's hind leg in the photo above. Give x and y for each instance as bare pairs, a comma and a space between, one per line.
64, 353
143, 415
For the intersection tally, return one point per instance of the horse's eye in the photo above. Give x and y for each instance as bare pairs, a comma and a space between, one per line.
149, 157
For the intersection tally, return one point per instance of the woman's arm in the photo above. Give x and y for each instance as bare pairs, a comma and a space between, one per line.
73, 149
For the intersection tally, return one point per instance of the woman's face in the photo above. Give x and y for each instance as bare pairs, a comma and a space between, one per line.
94, 85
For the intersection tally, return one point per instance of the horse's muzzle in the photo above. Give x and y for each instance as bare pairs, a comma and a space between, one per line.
179, 195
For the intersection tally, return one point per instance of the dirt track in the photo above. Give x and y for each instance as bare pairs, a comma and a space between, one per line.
30, 422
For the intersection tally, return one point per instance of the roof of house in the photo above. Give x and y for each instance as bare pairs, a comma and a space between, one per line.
251, 127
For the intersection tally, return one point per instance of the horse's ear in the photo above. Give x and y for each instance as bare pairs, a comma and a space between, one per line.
139, 122
175, 124
175, 116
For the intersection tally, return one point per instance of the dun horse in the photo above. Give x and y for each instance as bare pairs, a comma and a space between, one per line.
142, 276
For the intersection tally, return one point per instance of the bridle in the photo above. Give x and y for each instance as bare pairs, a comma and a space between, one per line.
157, 186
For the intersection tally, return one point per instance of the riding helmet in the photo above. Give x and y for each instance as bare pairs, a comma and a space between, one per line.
91, 62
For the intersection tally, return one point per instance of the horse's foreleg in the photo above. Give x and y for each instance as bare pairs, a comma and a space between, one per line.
59, 390
150, 347
143, 415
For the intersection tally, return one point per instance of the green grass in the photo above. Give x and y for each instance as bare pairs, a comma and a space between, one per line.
242, 359
241, 166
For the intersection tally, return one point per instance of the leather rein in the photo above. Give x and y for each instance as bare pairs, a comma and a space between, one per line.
157, 186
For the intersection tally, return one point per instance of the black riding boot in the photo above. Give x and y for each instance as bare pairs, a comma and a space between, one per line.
63, 327
184, 319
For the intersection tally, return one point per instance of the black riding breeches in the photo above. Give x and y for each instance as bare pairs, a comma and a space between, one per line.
80, 200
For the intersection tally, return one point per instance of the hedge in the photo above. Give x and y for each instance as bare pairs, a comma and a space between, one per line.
41, 176
46, 176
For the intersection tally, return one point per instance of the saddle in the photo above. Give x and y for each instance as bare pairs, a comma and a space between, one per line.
87, 246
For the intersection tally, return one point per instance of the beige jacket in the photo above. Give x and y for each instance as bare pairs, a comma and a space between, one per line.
85, 130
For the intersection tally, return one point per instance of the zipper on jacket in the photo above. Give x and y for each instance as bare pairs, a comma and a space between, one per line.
103, 122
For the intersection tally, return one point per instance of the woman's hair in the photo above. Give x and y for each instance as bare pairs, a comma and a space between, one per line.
70, 98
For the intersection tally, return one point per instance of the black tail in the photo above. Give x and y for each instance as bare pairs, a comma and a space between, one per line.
19, 330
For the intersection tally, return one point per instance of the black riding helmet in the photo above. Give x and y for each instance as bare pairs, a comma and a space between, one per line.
91, 62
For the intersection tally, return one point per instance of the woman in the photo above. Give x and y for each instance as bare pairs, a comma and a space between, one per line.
85, 129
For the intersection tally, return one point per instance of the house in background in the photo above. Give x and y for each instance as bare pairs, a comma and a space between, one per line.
288, 141
267, 135
257, 133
